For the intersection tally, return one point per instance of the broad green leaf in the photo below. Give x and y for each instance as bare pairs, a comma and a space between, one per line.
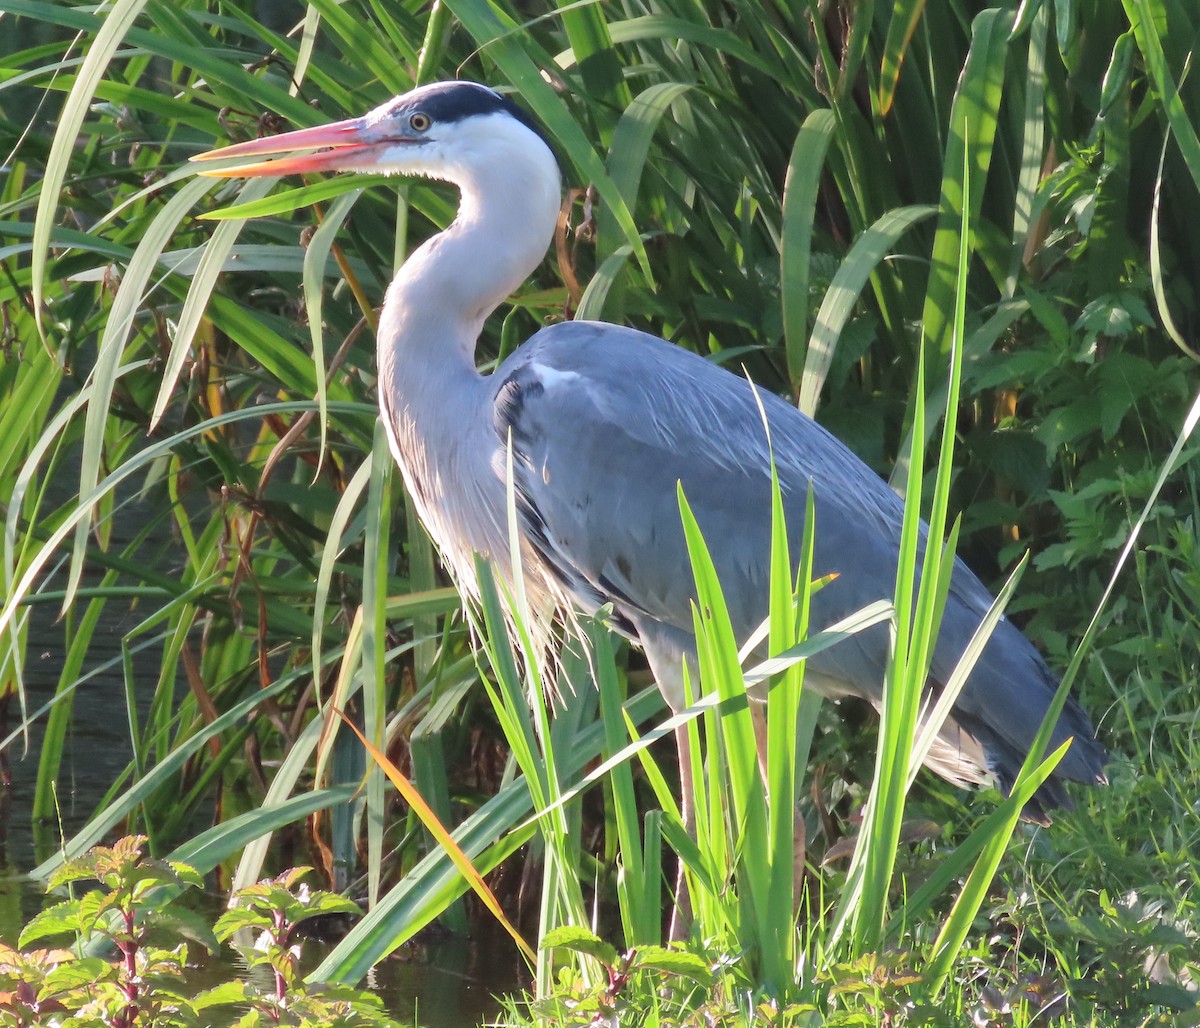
194, 306
859, 264
800, 189
315, 257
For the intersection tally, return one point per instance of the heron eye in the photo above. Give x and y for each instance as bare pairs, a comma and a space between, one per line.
419, 122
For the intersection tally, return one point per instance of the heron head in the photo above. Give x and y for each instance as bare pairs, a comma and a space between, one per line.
429, 131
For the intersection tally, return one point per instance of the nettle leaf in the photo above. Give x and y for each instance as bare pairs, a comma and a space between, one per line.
237, 919
1115, 403
1003, 369
111, 865
1067, 424
151, 874
1083, 211
185, 874
329, 903
673, 961
581, 940
1124, 379
221, 995
284, 962
1112, 316
1047, 314
89, 971
1016, 455
162, 963
60, 919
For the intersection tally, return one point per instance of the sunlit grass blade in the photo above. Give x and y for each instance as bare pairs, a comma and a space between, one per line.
368, 45
377, 561
1142, 16
522, 708
863, 905
626, 163
131, 295
901, 26
350, 497
288, 200
962, 916
936, 715
1156, 264
203, 282
972, 133
444, 839
214, 846
640, 872
997, 825
759, 675
315, 257
117, 22
592, 47
919, 605
1033, 143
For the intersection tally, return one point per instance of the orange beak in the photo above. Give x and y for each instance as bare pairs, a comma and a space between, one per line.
343, 145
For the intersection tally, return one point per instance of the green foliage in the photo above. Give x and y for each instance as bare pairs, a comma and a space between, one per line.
265, 921
649, 985
876, 989
1146, 960
141, 986
147, 985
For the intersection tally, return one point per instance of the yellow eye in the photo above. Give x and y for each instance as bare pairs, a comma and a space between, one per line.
419, 122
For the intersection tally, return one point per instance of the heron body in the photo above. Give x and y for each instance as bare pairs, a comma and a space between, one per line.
605, 422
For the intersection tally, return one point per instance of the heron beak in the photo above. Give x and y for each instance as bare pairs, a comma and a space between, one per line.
343, 145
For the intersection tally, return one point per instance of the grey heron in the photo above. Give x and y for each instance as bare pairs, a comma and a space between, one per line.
605, 421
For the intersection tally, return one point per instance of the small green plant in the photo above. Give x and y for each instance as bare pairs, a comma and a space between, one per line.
576, 1002
876, 989
140, 986
145, 985
265, 923
35, 980
1145, 959
650, 985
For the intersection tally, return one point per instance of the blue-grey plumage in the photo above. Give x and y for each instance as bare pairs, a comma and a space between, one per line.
604, 422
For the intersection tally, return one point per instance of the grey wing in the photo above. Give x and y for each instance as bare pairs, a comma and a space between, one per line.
606, 422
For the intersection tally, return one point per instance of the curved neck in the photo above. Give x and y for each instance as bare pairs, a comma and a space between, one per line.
438, 301
432, 398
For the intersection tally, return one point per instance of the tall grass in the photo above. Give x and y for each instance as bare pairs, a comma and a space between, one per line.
781, 187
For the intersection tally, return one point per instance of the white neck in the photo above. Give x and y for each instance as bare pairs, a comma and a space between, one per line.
438, 301
434, 401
